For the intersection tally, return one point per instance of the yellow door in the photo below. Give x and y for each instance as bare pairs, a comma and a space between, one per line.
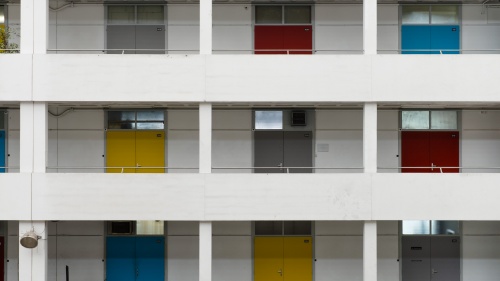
120, 151
297, 265
268, 259
150, 151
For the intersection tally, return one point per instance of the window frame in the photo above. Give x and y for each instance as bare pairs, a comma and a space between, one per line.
283, 7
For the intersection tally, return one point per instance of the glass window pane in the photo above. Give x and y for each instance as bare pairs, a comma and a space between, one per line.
268, 14
150, 126
415, 119
149, 228
121, 116
150, 15
121, 14
416, 227
444, 14
2, 15
297, 228
268, 228
2, 119
297, 14
268, 120
153, 115
445, 227
415, 14
444, 120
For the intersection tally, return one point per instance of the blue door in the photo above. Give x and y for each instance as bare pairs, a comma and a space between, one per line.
150, 258
416, 37
430, 39
445, 37
120, 259
2, 151
135, 258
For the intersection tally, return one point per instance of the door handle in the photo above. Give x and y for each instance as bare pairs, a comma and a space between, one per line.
280, 272
137, 165
434, 271
280, 165
432, 166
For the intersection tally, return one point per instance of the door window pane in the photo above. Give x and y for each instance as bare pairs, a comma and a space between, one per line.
268, 120
445, 227
297, 14
268, 228
149, 228
2, 119
415, 120
2, 15
444, 14
415, 14
150, 15
444, 120
121, 14
297, 228
416, 227
150, 126
268, 14
154, 115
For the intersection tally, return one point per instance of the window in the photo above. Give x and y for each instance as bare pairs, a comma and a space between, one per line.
268, 120
429, 119
2, 15
429, 14
136, 120
431, 227
130, 14
289, 14
150, 227
279, 228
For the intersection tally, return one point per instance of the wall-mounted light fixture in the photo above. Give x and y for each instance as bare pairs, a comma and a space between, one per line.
30, 240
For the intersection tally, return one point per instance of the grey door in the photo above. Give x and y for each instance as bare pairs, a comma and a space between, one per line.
416, 251
268, 151
431, 258
121, 37
151, 37
445, 258
282, 149
298, 151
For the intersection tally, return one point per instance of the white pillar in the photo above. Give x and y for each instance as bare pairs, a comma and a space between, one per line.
34, 26
205, 251
34, 137
205, 27
370, 137
205, 115
33, 262
370, 251
370, 27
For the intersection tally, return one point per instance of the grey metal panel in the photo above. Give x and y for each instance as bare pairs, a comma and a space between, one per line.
445, 253
150, 37
416, 258
121, 37
298, 151
268, 149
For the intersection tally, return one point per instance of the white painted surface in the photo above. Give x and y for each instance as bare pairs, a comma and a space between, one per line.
182, 256
82, 254
12, 266
370, 138
205, 31
15, 200
178, 228
387, 262
480, 257
232, 148
353, 228
33, 262
16, 77
231, 228
370, 251
370, 48
232, 258
205, 141
205, 251
339, 258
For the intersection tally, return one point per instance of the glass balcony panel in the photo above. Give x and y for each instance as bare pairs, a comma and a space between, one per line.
416, 227
150, 15
121, 14
412, 120
415, 14
444, 120
268, 14
298, 14
444, 14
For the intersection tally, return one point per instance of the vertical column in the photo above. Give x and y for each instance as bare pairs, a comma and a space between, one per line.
205, 115
34, 137
370, 27
33, 262
370, 251
205, 251
205, 27
370, 137
34, 26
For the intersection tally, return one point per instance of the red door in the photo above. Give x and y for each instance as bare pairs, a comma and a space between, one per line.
283, 38
2, 261
430, 149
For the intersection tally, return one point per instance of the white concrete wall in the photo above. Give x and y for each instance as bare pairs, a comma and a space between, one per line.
182, 141
232, 29
480, 26
481, 250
